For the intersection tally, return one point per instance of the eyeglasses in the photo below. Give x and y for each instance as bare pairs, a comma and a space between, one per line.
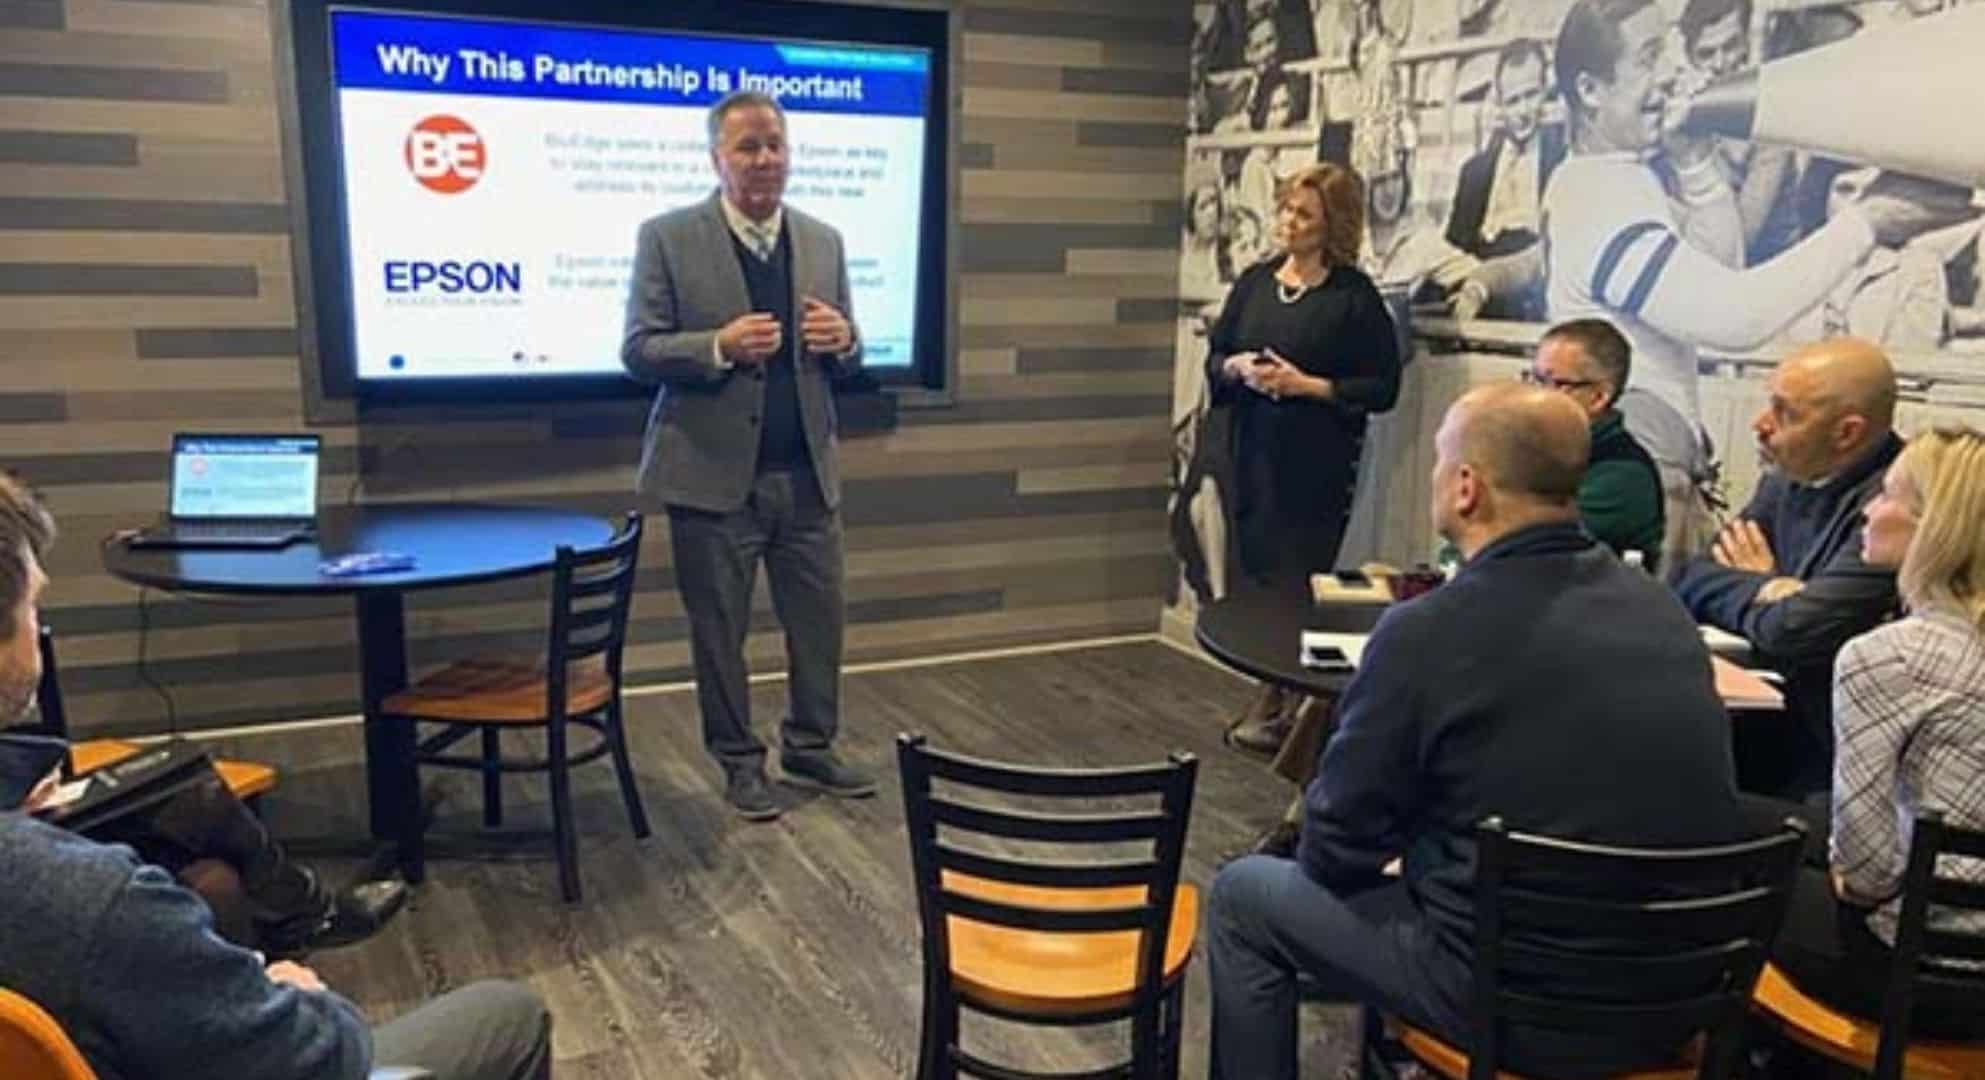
1532, 378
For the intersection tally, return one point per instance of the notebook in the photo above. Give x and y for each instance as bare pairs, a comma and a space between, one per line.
250, 491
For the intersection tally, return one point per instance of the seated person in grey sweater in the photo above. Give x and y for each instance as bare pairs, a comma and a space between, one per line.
261, 898
129, 964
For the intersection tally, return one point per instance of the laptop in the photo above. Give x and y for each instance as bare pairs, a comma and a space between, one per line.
239, 491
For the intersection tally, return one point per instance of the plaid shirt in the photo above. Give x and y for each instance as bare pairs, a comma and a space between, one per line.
1909, 731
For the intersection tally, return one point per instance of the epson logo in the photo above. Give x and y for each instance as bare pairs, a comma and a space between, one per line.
450, 276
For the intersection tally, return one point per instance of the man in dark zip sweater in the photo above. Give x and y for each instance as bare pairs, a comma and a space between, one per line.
1787, 574
1548, 683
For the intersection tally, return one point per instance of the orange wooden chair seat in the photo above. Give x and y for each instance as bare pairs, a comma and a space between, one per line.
501, 689
1849, 1039
1063, 974
247, 779
33, 1046
1436, 1054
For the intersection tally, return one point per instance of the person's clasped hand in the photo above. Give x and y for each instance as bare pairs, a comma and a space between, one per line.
1742, 546
290, 973
824, 329
44, 790
1278, 378
1237, 365
750, 339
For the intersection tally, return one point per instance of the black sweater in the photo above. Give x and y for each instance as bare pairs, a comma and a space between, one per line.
1308, 450
1547, 683
781, 440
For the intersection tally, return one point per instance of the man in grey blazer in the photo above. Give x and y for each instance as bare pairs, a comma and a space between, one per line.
738, 312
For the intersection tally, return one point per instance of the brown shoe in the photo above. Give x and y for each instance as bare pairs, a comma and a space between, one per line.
1262, 737
1265, 724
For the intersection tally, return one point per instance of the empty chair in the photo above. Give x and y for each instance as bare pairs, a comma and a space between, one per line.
576, 682
1917, 961
1699, 919
1049, 942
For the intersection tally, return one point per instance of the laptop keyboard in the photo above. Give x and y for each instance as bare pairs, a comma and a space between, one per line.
230, 530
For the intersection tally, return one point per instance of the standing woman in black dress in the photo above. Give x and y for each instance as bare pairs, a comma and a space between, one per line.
1303, 351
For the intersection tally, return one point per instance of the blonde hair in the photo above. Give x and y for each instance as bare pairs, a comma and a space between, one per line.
1343, 197
1944, 567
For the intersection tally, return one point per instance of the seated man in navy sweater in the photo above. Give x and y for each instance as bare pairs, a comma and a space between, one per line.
1548, 683
129, 964
1787, 574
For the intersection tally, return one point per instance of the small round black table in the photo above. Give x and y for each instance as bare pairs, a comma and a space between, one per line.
1260, 635
452, 544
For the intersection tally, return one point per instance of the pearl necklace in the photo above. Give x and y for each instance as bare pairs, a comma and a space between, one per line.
1289, 294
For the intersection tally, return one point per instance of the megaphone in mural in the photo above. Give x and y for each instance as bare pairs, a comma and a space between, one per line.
1901, 97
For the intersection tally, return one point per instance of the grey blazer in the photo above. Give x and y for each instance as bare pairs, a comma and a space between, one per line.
701, 450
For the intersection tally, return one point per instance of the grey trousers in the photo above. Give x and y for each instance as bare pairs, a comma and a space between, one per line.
785, 523
483, 1031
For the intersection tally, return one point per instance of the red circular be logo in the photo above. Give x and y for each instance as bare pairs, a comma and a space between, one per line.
445, 154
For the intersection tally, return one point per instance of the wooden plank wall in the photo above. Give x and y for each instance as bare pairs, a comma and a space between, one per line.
145, 287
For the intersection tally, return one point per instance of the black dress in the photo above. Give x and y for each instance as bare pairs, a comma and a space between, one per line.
1295, 461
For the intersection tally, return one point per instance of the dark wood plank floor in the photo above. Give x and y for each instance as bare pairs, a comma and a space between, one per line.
718, 948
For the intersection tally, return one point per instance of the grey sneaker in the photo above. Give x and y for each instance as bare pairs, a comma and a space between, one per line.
749, 794
822, 771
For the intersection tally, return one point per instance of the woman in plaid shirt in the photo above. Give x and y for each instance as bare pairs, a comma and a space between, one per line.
1909, 732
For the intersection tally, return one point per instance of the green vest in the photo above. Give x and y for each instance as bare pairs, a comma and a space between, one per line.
1620, 498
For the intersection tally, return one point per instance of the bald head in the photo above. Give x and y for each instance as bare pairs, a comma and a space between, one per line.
1528, 442
1830, 402
1847, 374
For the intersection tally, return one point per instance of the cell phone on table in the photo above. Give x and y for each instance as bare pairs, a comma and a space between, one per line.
1352, 579
1327, 658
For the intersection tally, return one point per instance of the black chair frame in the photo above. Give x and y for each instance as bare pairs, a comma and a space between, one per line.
1714, 910
1918, 947
592, 592
1155, 1010
52, 718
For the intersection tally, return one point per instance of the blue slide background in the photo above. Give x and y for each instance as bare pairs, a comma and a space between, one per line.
895, 82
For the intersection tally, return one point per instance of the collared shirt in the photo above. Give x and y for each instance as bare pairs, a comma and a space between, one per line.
1909, 716
759, 236
1513, 194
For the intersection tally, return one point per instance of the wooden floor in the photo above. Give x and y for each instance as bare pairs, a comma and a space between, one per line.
719, 948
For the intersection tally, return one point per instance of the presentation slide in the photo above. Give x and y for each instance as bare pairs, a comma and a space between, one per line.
496, 172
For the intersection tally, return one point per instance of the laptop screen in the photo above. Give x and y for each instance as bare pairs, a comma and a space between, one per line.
244, 476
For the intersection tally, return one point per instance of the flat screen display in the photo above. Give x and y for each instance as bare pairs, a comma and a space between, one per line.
244, 476
494, 173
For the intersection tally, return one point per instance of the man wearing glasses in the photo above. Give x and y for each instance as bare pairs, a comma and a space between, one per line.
1619, 501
